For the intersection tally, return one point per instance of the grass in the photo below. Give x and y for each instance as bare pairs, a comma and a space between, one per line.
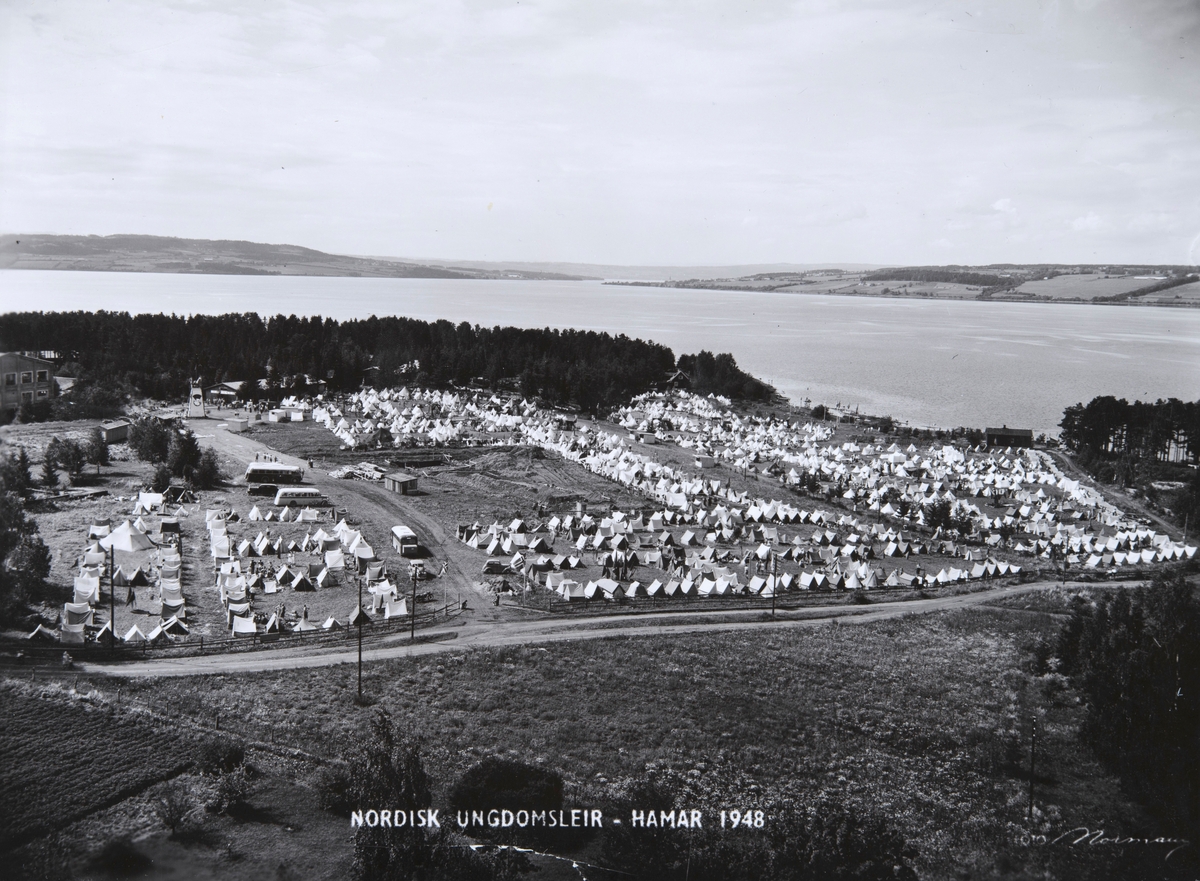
65, 757
924, 720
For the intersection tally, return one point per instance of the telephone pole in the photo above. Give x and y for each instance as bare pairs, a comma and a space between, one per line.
1032, 754
360, 626
412, 629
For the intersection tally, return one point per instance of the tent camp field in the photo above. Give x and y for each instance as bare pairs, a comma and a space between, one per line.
923, 721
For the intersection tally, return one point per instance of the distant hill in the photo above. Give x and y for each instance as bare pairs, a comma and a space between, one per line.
641, 273
138, 253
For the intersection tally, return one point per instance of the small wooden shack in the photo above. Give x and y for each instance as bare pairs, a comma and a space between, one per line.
114, 431
400, 482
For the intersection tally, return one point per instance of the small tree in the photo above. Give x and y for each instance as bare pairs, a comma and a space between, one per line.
162, 478
14, 472
49, 473
150, 439
208, 472
174, 806
183, 455
97, 449
72, 457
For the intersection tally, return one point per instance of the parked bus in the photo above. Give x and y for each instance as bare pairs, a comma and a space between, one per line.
404, 540
272, 472
306, 495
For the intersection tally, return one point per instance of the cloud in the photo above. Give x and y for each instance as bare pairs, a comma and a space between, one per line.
623, 132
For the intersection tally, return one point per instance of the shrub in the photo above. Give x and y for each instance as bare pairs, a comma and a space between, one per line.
208, 472
334, 786
150, 439
230, 792
220, 755
507, 784
183, 454
120, 857
161, 479
174, 806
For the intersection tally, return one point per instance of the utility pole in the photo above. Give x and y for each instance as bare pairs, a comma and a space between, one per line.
412, 630
112, 601
774, 581
360, 626
1032, 754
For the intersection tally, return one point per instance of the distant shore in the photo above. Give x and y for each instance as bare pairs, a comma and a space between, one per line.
1192, 301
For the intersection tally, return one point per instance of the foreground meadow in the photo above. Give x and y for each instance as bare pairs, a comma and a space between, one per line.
923, 721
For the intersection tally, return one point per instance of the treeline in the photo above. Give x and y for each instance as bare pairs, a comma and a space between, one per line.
944, 276
1165, 285
1111, 428
709, 372
1135, 656
157, 356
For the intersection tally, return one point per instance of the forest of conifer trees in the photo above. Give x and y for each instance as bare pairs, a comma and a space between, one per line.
157, 355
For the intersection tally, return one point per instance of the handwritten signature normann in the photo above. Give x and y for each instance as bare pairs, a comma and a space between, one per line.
1082, 835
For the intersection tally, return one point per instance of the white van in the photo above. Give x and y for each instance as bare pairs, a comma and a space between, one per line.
307, 495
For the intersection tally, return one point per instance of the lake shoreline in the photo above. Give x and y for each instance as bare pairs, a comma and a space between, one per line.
925, 362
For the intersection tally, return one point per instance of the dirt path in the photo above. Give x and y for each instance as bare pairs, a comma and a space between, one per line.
480, 635
1115, 494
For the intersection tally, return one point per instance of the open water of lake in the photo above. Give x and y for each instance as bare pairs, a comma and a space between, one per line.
926, 362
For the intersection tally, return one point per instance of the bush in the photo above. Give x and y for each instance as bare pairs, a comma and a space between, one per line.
498, 783
174, 806
208, 472
183, 454
824, 842
161, 479
220, 755
334, 787
230, 792
150, 439
120, 858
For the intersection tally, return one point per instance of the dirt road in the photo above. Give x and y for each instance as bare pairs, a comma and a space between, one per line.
503, 633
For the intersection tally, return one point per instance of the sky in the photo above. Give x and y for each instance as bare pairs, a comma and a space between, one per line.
902, 131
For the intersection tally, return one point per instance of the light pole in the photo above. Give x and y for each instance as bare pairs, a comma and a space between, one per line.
1032, 753
360, 626
774, 581
112, 601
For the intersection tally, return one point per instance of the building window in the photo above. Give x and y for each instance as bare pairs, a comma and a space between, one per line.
10, 379
27, 396
27, 377
43, 393
43, 376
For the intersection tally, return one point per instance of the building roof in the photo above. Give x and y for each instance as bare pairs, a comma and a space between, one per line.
1021, 432
27, 357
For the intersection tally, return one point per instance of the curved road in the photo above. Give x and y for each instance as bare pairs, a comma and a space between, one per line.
503, 633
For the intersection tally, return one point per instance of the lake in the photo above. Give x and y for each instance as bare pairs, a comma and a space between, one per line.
926, 362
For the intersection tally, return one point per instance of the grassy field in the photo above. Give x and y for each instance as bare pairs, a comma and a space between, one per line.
923, 720
66, 757
1083, 286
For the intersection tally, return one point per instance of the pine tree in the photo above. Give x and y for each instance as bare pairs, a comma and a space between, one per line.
49, 474
97, 449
